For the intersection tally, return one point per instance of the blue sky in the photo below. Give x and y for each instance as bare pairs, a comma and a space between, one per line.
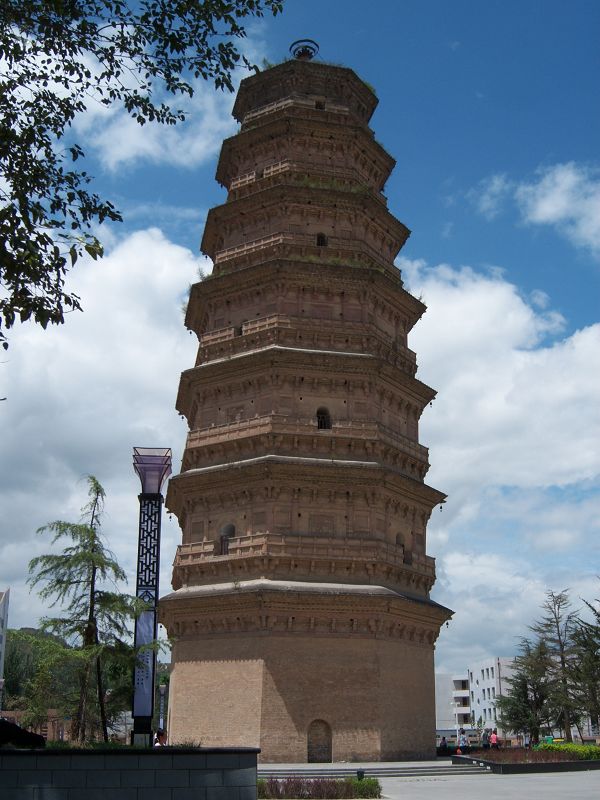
491, 112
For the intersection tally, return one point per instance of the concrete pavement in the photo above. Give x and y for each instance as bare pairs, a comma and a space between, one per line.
434, 781
539, 786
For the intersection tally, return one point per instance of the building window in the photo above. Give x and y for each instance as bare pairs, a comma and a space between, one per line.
321, 240
487, 673
323, 419
493, 692
320, 105
492, 671
227, 531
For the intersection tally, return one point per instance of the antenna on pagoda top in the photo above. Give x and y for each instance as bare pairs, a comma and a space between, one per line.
304, 49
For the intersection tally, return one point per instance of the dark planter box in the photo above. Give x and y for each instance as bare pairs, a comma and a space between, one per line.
513, 769
163, 773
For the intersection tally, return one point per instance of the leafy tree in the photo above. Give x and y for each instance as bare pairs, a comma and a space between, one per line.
25, 649
528, 707
53, 684
586, 666
58, 58
557, 628
19, 664
96, 620
40, 674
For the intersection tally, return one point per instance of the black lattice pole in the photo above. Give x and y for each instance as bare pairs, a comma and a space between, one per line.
153, 466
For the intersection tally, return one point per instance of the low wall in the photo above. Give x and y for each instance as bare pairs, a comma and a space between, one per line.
159, 774
516, 768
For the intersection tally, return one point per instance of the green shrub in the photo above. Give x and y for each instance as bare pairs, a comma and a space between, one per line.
317, 788
578, 752
367, 787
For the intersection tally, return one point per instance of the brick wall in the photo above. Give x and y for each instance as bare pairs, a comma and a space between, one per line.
159, 774
377, 696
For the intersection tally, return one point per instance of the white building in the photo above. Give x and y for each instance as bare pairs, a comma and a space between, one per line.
487, 682
452, 704
3, 629
468, 700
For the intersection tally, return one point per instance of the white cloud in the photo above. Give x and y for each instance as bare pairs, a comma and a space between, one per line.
493, 596
118, 140
447, 230
566, 196
512, 438
512, 410
80, 396
490, 194
539, 298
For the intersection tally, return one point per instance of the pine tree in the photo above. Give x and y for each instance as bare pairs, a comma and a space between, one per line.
557, 628
528, 707
96, 620
586, 670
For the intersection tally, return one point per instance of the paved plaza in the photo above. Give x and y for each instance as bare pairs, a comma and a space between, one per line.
435, 781
549, 786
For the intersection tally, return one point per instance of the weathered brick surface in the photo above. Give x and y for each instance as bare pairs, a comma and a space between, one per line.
376, 695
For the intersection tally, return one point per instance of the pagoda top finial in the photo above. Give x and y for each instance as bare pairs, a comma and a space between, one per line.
304, 49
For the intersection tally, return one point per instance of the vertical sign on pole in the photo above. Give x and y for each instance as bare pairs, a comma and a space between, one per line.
153, 466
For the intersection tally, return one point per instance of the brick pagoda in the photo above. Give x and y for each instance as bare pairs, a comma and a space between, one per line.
301, 616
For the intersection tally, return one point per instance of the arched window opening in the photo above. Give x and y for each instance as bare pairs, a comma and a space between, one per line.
321, 240
400, 540
323, 419
319, 742
227, 531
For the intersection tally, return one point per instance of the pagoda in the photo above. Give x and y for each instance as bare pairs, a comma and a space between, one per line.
301, 616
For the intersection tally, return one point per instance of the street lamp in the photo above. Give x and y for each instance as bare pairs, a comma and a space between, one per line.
153, 466
161, 708
456, 705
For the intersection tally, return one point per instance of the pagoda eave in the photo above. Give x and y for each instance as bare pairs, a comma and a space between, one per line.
355, 139
269, 85
355, 475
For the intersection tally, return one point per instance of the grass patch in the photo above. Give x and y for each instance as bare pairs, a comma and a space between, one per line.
317, 788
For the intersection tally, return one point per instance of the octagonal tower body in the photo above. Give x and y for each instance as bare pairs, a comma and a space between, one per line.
301, 615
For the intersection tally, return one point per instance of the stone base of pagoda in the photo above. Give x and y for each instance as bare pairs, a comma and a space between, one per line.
305, 672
